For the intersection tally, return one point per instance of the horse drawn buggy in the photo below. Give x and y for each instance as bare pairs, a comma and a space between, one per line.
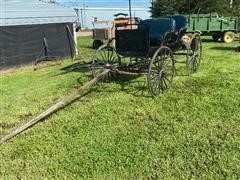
151, 47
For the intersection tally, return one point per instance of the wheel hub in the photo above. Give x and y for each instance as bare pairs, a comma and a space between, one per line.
108, 66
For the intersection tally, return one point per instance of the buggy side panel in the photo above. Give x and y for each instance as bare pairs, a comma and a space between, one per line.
132, 42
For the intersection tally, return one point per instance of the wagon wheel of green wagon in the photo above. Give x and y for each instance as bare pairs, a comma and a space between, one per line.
228, 37
105, 57
161, 71
195, 54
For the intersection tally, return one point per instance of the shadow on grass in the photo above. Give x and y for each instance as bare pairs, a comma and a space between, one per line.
209, 40
221, 48
77, 67
133, 85
88, 47
129, 84
81, 67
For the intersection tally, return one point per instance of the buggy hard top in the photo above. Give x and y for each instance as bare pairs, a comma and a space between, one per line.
150, 32
159, 27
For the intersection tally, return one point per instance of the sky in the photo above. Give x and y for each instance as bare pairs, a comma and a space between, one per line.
107, 3
108, 14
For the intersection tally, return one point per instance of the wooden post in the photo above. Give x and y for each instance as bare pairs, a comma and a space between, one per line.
61, 104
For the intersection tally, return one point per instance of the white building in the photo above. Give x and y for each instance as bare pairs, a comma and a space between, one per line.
86, 15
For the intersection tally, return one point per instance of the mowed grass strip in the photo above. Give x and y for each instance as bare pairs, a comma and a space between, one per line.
118, 131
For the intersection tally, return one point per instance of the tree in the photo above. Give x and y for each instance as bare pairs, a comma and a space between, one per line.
222, 7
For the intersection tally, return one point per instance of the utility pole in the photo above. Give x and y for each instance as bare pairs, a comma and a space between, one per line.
53, 1
84, 12
130, 11
231, 4
76, 4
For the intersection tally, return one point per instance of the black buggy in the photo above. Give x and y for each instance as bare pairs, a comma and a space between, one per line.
151, 47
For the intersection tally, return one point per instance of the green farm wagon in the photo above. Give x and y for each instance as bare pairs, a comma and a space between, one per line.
220, 28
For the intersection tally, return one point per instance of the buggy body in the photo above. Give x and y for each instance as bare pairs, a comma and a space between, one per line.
153, 46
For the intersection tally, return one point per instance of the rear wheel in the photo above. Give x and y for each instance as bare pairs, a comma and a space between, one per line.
161, 71
195, 54
228, 37
97, 44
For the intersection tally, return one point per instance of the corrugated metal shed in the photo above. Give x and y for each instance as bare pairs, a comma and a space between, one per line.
26, 12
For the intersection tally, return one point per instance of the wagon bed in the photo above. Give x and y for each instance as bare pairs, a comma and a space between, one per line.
223, 28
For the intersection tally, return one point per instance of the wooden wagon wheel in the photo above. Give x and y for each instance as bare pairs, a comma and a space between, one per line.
105, 57
194, 54
161, 71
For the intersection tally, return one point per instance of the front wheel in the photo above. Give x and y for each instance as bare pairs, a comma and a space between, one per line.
161, 71
105, 57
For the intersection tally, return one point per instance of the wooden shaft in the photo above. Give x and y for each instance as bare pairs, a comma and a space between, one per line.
127, 73
61, 104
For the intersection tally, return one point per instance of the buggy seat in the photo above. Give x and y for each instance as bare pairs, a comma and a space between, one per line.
181, 26
181, 21
158, 29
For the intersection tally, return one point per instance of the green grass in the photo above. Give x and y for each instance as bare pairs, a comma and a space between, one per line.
118, 131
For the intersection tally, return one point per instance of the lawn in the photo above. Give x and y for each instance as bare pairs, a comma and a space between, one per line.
117, 130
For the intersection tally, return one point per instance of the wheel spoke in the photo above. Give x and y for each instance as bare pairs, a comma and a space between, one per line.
162, 87
98, 67
167, 62
163, 79
153, 77
111, 56
102, 56
155, 85
156, 64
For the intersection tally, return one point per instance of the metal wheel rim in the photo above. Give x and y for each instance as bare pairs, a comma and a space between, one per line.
229, 37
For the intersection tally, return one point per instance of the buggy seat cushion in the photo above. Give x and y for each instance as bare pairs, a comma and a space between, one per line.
181, 25
158, 28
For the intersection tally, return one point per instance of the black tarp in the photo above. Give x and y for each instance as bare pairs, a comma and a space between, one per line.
21, 45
